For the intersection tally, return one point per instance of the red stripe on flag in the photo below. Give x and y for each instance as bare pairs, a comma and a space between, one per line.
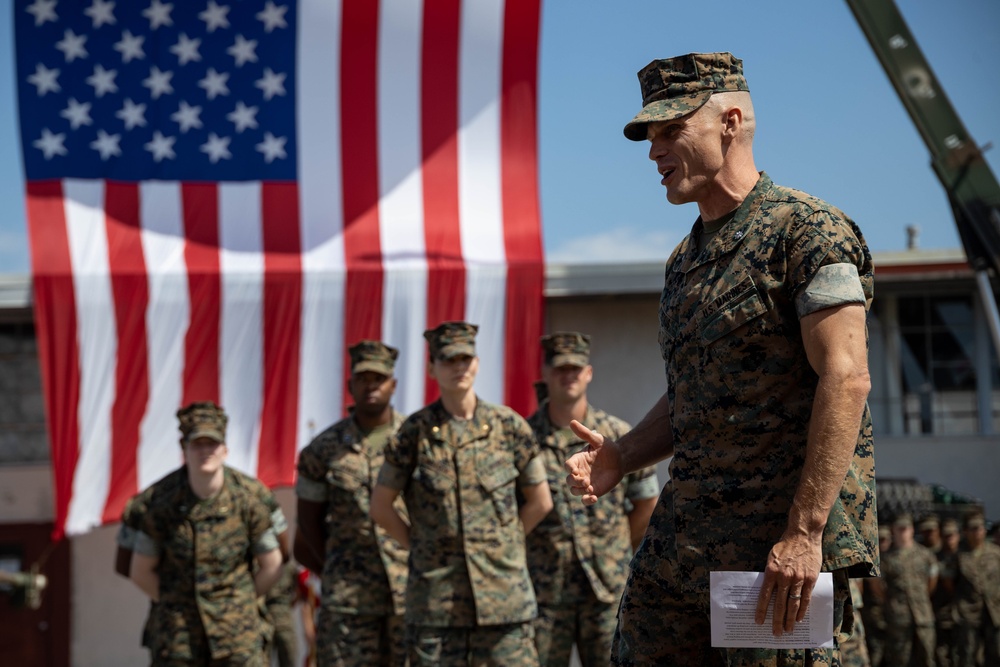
130, 291
522, 220
200, 203
282, 332
55, 332
359, 142
439, 137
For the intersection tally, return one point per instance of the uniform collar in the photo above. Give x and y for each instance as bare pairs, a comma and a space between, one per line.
730, 236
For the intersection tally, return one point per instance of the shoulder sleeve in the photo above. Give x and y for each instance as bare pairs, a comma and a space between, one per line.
642, 484
828, 262
310, 483
401, 455
263, 535
521, 439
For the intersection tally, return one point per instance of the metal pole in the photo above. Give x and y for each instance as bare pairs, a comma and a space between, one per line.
990, 307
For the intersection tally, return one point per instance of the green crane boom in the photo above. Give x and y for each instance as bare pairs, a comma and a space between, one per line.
970, 184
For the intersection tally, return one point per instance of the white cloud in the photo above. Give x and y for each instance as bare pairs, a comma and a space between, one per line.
621, 244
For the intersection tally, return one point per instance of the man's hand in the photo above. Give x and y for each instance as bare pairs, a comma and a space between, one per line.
792, 570
595, 470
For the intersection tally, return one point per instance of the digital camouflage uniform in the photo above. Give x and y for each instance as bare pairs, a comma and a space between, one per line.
469, 598
208, 608
578, 555
941, 600
740, 392
134, 514
364, 571
854, 650
279, 603
909, 615
976, 604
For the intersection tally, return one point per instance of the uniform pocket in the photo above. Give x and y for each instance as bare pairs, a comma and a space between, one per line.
498, 482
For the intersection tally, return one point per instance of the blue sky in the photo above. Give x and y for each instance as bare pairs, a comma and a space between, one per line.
828, 121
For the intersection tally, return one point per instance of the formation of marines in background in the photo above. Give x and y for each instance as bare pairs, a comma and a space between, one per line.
938, 600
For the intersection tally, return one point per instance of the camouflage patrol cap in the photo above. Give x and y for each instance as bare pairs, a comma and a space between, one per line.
450, 339
902, 521
884, 532
929, 522
675, 87
204, 419
566, 348
949, 527
973, 520
372, 355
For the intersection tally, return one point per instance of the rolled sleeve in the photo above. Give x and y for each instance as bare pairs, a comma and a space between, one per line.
533, 473
311, 490
832, 285
145, 545
641, 489
268, 541
126, 537
278, 521
393, 476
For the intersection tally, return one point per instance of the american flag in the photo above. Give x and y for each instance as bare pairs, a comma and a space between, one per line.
223, 196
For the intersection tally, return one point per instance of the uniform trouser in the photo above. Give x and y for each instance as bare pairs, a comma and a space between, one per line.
943, 630
257, 660
589, 624
667, 623
507, 645
854, 650
910, 645
970, 640
350, 640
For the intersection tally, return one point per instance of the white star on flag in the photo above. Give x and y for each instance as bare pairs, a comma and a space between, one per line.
50, 144
187, 116
158, 14
103, 81
243, 50
44, 79
72, 45
133, 115
42, 10
106, 144
186, 49
243, 117
161, 147
272, 147
272, 84
215, 16
214, 83
158, 82
130, 46
100, 13
77, 113
273, 16
217, 148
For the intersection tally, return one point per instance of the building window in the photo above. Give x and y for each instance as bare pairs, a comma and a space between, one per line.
943, 371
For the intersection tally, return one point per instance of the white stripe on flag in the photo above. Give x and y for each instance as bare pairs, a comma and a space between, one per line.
321, 213
479, 187
98, 341
167, 319
241, 262
404, 299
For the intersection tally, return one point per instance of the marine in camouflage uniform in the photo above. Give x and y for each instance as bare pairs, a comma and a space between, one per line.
131, 525
873, 611
578, 555
279, 604
973, 574
854, 650
942, 599
203, 528
909, 574
458, 463
362, 569
762, 330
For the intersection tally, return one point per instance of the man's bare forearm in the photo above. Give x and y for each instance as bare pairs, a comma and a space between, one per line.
651, 441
